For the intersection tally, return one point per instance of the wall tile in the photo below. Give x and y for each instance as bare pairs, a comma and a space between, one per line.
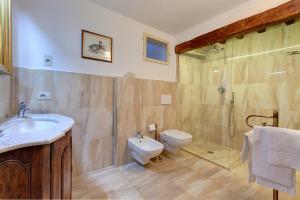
86, 98
135, 114
128, 124
129, 91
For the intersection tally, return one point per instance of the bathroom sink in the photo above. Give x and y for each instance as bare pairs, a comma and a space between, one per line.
30, 125
36, 129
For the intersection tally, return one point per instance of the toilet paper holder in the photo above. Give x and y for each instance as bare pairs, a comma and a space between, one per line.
153, 128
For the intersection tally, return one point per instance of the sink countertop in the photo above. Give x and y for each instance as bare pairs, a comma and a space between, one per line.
12, 140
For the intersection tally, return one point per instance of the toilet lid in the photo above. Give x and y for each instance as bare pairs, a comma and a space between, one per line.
178, 135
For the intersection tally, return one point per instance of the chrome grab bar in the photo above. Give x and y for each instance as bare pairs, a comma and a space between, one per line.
274, 117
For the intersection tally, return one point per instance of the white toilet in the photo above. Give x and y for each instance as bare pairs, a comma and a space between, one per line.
142, 150
174, 139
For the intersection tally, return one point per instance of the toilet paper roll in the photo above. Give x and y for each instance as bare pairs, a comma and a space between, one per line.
152, 127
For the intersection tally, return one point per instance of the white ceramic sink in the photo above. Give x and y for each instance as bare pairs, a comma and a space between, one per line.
30, 125
33, 130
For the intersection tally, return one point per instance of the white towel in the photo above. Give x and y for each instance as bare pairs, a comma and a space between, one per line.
246, 154
279, 178
284, 147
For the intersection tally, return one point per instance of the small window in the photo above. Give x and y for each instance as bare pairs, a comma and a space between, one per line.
156, 50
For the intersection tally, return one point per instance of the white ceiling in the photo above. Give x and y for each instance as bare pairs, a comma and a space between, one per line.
170, 16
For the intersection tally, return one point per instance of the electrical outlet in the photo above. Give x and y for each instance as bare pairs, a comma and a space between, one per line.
44, 96
48, 60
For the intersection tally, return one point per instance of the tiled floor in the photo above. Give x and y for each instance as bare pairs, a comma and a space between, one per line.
179, 177
216, 153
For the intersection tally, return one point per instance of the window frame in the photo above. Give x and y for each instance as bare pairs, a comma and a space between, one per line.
6, 66
146, 35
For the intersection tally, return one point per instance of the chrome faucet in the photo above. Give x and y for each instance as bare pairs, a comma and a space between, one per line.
140, 135
22, 110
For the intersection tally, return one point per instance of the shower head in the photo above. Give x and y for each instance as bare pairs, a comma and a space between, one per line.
214, 48
290, 53
195, 54
204, 52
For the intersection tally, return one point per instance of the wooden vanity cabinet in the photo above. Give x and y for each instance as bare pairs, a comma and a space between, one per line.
38, 172
61, 168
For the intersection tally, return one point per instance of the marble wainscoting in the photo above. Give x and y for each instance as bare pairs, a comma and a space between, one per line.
5, 96
138, 105
86, 98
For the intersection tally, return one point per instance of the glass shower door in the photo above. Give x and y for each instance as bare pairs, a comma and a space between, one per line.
206, 72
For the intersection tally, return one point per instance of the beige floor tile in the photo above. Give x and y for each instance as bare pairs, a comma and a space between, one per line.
182, 176
109, 181
223, 194
201, 188
127, 194
96, 193
161, 190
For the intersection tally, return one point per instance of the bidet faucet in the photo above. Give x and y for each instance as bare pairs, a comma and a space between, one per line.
140, 135
22, 110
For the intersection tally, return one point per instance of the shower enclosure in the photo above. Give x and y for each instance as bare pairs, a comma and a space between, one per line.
221, 84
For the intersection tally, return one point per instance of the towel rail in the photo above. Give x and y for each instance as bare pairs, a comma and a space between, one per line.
275, 118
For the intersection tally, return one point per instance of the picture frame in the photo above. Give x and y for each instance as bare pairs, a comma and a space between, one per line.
95, 46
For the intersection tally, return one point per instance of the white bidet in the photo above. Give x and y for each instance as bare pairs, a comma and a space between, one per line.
143, 149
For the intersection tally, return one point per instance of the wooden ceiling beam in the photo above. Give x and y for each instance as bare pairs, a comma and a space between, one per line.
282, 13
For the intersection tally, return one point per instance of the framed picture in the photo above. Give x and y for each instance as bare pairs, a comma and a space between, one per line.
96, 46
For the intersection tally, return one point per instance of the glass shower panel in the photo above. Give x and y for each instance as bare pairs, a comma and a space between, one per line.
205, 84
288, 77
265, 77
255, 66
221, 84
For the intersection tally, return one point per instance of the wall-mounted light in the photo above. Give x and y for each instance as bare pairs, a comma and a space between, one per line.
264, 52
277, 73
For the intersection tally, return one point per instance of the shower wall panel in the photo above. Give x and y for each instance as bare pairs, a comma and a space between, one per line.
263, 71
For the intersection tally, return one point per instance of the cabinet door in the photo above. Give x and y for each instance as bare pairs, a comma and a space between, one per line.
15, 180
61, 168
25, 173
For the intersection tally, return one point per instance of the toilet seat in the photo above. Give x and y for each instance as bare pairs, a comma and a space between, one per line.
176, 135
